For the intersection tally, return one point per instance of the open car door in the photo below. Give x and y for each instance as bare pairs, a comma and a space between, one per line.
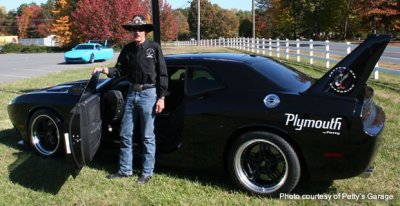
83, 139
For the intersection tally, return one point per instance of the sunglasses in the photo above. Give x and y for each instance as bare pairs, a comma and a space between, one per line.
137, 30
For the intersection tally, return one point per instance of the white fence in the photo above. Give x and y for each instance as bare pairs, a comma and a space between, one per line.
325, 52
48, 41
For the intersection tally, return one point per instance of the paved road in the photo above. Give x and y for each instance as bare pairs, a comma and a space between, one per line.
20, 66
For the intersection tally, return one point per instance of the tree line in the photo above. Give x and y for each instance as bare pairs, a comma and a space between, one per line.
74, 21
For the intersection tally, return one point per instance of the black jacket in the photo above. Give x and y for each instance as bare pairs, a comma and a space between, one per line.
143, 64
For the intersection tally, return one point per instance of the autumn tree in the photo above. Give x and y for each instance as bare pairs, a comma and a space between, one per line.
181, 20
62, 24
45, 19
214, 21
102, 19
380, 15
226, 23
29, 20
169, 27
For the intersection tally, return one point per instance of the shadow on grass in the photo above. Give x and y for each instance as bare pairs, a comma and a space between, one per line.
107, 159
33, 171
49, 174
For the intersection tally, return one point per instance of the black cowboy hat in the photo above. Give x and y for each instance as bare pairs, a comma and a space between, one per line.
138, 22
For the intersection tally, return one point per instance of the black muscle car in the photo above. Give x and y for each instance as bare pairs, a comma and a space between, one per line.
267, 123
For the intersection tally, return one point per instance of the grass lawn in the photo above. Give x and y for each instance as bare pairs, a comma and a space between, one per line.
27, 179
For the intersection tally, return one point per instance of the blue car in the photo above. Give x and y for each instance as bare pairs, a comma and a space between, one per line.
88, 53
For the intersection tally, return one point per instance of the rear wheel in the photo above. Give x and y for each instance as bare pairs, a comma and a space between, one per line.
45, 132
263, 163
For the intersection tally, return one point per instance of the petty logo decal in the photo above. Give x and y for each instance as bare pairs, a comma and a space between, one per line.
150, 53
342, 80
332, 126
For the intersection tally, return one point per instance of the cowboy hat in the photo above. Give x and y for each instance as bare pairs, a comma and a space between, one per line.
138, 22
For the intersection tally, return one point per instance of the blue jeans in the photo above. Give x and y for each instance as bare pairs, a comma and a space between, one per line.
138, 105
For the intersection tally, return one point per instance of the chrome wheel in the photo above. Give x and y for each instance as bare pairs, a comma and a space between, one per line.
45, 133
263, 163
261, 166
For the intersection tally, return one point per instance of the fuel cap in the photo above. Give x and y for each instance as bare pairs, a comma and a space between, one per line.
271, 101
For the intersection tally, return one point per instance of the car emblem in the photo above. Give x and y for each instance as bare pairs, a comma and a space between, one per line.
271, 101
342, 80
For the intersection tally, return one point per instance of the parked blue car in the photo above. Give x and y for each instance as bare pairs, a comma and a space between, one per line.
88, 53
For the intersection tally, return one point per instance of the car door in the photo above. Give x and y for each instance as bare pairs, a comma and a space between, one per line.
203, 100
83, 139
169, 124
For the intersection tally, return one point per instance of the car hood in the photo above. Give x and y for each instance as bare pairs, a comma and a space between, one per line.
61, 88
77, 53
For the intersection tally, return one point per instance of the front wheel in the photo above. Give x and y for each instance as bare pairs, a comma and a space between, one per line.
45, 132
263, 163
91, 58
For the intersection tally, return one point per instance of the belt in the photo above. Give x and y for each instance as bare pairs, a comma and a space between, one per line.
141, 87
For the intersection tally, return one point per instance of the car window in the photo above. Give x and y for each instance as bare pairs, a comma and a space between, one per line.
177, 74
83, 46
200, 80
284, 76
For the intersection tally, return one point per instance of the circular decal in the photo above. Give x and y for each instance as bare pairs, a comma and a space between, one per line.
342, 80
271, 101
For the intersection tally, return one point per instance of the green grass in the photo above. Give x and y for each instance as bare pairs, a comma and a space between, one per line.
27, 179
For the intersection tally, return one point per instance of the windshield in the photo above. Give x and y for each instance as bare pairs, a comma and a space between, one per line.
284, 76
83, 46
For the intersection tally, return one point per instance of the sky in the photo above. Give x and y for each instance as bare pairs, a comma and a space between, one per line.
226, 4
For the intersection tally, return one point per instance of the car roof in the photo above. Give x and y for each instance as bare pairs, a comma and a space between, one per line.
228, 57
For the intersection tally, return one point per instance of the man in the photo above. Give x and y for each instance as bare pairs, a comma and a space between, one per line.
143, 64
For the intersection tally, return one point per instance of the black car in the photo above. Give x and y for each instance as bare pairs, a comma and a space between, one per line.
265, 122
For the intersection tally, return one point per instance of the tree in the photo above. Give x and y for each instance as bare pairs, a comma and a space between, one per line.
294, 10
321, 17
62, 24
3, 20
214, 21
182, 20
9, 25
29, 20
169, 27
380, 15
102, 19
227, 23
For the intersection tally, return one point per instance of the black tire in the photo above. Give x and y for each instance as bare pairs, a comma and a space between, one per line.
45, 133
91, 58
263, 163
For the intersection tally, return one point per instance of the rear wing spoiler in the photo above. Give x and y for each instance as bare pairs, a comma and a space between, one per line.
349, 76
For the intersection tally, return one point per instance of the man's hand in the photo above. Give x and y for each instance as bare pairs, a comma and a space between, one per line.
103, 70
160, 105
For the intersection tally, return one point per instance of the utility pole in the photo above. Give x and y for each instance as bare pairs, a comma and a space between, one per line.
155, 10
198, 22
254, 19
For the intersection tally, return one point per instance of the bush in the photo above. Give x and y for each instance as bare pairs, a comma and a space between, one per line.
12, 48
34, 49
18, 48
